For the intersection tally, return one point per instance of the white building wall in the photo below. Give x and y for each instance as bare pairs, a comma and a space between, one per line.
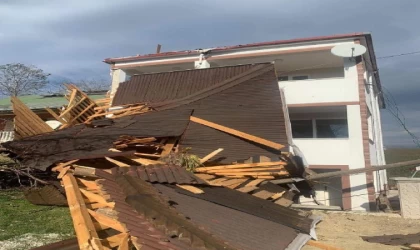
117, 76
320, 90
324, 151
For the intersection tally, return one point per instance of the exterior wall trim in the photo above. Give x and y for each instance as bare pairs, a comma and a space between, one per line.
360, 67
345, 183
322, 104
218, 57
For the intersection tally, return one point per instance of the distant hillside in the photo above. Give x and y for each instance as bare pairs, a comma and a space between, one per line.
393, 155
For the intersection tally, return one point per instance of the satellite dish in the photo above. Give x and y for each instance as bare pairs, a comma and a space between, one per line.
348, 50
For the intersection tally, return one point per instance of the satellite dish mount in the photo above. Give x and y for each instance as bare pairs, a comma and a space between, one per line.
348, 50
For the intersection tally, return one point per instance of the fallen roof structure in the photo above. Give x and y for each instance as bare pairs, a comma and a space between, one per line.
149, 173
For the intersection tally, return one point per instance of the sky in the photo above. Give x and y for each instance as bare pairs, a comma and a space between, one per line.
70, 39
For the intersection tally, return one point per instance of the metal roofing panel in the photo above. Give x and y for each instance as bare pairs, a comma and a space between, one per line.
168, 86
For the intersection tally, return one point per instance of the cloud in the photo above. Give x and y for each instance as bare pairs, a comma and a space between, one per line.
70, 39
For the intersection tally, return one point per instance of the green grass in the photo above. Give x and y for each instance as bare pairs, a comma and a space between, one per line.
18, 217
401, 154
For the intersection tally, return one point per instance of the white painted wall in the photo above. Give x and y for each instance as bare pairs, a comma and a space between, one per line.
324, 151
320, 90
117, 76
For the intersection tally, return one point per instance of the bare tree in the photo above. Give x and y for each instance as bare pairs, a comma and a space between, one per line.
93, 85
19, 79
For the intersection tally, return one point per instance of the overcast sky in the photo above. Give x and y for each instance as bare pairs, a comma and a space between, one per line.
69, 39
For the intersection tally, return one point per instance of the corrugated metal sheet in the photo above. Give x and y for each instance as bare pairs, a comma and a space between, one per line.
249, 101
241, 230
167, 86
82, 141
146, 234
164, 174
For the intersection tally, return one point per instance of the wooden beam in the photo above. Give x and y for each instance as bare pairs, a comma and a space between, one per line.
238, 133
83, 225
242, 170
245, 165
190, 188
63, 172
167, 149
58, 118
92, 197
209, 156
116, 162
107, 221
113, 241
125, 243
60, 166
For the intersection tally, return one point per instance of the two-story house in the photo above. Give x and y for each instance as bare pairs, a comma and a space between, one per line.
333, 104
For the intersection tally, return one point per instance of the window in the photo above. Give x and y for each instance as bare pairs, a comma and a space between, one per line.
320, 128
295, 78
332, 128
282, 78
302, 129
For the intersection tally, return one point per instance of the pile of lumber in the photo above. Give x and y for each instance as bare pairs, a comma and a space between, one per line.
27, 123
263, 170
79, 109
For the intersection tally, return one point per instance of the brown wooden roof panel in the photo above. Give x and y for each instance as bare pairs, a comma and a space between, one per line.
159, 87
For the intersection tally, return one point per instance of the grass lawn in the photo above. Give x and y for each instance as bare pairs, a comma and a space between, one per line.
19, 218
394, 155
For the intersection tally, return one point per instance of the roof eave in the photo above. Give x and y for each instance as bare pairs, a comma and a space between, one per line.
166, 55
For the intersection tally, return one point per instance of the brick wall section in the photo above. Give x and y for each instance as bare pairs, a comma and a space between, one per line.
365, 132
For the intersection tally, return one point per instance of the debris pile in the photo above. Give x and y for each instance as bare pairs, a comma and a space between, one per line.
170, 154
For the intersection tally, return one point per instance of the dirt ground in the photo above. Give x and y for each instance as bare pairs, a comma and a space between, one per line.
366, 231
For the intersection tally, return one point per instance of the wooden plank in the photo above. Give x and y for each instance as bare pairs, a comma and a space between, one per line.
209, 156
263, 177
263, 194
27, 123
113, 241
277, 195
216, 182
125, 242
58, 118
96, 205
242, 170
246, 165
81, 113
83, 225
60, 166
90, 185
238, 133
321, 245
116, 162
254, 183
254, 173
63, 172
233, 181
190, 188
167, 149
92, 197
107, 221
71, 107
247, 189
206, 177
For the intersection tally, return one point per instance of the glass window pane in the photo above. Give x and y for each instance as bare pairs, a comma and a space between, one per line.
300, 77
283, 78
334, 128
302, 129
